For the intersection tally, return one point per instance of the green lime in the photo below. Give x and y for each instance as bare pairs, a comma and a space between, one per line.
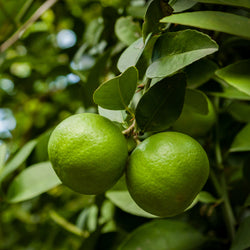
193, 123
88, 153
166, 172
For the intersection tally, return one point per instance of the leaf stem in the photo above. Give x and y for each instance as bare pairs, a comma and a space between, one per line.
129, 129
221, 185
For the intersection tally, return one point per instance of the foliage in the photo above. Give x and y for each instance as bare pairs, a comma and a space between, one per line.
131, 61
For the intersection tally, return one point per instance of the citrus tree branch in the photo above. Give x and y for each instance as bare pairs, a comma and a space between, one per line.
18, 34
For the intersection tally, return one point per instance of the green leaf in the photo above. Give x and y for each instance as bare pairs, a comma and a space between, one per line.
240, 111
242, 239
113, 115
3, 154
163, 235
161, 105
182, 5
242, 140
123, 200
32, 182
196, 101
213, 20
117, 93
175, 50
156, 10
199, 72
126, 30
206, 197
239, 3
237, 75
131, 55
18, 159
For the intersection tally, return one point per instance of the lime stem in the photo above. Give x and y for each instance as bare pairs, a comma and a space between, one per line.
129, 129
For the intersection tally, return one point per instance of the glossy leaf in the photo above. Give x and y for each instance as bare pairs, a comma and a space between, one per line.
237, 75
175, 50
113, 115
199, 72
164, 235
242, 140
242, 239
18, 159
240, 111
117, 93
213, 20
156, 10
32, 182
162, 104
182, 5
123, 200
239, 3
126, 30
131, 55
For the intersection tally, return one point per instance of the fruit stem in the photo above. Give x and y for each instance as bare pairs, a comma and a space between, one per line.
221, 185
129, 129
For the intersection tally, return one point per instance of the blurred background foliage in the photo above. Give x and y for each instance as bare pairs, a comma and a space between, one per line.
50, 73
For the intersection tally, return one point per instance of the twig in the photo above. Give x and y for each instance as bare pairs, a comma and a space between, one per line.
45, 6
129, 129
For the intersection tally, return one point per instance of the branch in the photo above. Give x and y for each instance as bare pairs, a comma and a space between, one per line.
45, 6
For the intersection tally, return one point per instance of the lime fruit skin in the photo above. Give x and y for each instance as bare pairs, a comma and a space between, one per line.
88, 153
166, 172
195, 124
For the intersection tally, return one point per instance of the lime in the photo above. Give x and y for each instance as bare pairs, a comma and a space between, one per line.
194, 123
166, 172
88, 153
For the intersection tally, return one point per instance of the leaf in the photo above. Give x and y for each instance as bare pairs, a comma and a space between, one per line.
240, 111
161, 105
242, 140
237, 75
206, 197
123, 200
163, 235
113, 115
126, 30
18, 159
131, 55
117, 93
196, 101
182, 5
199, 72
32, 182
213, 20
242, 239
3, 154
239, 3
175, 50
156, 10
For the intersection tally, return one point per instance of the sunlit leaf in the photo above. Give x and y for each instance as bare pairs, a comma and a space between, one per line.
32, 182
123, 200
213, 20
237, 75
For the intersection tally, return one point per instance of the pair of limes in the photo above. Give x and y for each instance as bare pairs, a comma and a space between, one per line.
164, 173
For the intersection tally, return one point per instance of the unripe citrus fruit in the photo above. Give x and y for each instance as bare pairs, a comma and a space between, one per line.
193, 123
88, 153
166, 172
